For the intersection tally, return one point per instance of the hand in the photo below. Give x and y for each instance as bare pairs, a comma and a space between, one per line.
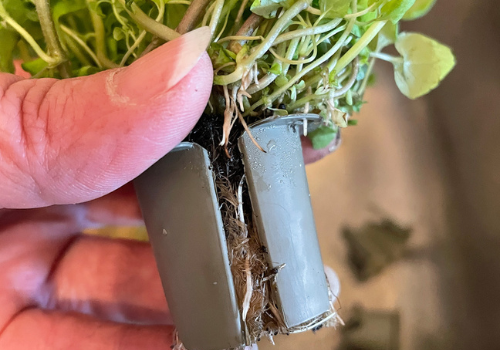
72, 141
75, 141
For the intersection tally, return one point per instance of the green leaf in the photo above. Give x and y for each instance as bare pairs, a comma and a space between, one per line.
358, 31
394, 10
9, 39
21, 11
230, 54
86, 70
175, 12
348, 97
419, 9
387, 36
334, 8
372, 79
24, 13
35, 66
301, 85
281, 81
352, 122
64, 7
118, 33
219, 55
370, 16
265, 8
277, 111
424, 64
293, 93
322, 136
276, 68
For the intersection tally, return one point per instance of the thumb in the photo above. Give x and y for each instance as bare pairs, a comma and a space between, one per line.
73, 140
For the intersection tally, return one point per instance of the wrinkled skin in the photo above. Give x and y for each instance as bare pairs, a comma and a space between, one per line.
82, 141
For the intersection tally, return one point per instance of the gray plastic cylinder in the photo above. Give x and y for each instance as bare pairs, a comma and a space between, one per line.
179, 205
281, 204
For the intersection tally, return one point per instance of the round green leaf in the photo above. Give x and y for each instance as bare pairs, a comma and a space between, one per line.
424, 63
334, 8
419, 9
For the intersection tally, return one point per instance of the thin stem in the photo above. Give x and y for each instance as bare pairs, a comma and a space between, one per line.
313, 11
228, 64
191, 16
117, 15
360, 13
80, 42
214, 21
242, 37
100, 41
207, 15
26, 36
223, 28
295, 62
302, 22
360, 45
159, 18
265, 45
239, 16
252, 22
302, 101
306, 70
51, 38
133, 47
386, 57
332, 33
268, 79
362, 88
152, 26
76, 50
308, 31
347, 86
228, 7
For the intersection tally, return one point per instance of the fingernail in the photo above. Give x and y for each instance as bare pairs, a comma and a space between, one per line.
161, 69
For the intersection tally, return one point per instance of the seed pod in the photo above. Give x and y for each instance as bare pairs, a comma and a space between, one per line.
179, 204
282, 209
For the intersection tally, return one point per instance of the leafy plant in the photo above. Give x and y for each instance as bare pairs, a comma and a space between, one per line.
287, 56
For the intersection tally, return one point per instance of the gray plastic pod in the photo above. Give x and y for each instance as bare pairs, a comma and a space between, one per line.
179, 205
281, 204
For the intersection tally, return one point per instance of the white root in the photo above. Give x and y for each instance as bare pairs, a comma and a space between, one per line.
247, 129
248, 294
227, 118
240, 201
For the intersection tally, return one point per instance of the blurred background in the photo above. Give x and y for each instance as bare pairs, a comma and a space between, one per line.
430, 165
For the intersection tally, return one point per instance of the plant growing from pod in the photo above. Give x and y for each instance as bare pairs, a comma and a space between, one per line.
270, 58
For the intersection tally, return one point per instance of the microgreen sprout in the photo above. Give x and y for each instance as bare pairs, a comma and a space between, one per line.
308, 55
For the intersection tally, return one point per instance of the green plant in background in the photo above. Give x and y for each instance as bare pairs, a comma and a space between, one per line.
289, 56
